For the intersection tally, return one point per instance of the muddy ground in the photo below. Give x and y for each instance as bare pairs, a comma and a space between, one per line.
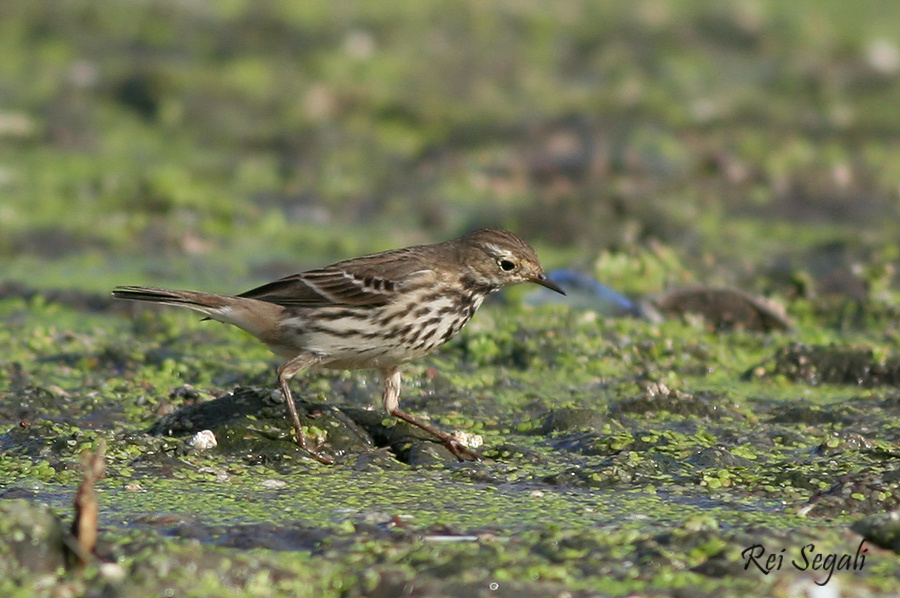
731, 168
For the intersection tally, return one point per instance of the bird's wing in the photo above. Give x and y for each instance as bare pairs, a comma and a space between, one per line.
367, 281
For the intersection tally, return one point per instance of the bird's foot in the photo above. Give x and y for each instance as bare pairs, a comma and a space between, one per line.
314, 451
459, 450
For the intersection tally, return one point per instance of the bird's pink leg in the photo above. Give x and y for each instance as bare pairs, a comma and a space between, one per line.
285, 373
391, 401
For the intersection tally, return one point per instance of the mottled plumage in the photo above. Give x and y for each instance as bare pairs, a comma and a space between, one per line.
376, 311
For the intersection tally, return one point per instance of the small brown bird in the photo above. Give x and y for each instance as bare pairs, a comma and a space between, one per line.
376, 311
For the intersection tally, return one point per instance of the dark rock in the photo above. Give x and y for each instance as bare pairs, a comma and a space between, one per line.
881, 529
32, 540
717, 457
866, 492
818, 364
723, 308
571, 418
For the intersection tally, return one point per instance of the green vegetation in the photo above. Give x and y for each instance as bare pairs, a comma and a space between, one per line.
650, 144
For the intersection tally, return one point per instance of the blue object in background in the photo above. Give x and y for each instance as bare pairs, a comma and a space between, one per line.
585, 292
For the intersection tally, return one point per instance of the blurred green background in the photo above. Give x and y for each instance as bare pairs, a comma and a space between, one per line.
220, 143
216, 144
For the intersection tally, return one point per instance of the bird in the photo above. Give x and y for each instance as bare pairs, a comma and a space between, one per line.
377, 311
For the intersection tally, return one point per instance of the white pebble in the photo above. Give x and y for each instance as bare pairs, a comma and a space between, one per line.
202, 440
468, 439
271, 484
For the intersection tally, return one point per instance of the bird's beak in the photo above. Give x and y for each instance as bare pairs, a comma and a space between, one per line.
542, 280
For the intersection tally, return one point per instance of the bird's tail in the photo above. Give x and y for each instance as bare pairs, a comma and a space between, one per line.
206, 303
259, 318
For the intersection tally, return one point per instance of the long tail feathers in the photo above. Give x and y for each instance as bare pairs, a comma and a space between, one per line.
259, 318
206, 303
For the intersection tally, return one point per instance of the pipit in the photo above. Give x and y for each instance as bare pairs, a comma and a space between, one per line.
376, 311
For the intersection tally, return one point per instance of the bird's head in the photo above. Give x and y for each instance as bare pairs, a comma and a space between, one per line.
497, 258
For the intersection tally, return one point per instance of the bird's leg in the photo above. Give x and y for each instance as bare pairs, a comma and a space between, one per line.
285, 373
391, 401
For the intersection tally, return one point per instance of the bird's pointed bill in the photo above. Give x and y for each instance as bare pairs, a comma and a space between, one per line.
542, 280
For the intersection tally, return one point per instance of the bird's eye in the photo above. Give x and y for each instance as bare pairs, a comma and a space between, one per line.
507, 266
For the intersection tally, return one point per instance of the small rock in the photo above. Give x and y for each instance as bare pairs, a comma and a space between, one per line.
881, 529
32, 539
468, 439
273, 484
202, 440
567, 419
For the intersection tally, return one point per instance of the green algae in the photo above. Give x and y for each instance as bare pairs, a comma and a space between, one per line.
565, 496
219, 147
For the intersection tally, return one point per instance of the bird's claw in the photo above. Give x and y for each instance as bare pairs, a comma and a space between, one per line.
460, 450
314, 451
